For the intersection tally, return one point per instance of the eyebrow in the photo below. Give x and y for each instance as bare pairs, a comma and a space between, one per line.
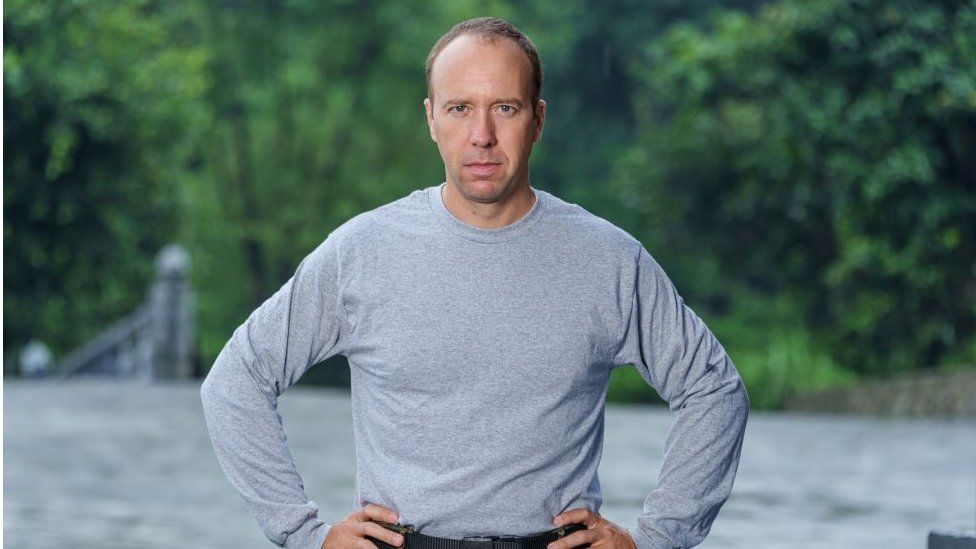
512, 101
506, 100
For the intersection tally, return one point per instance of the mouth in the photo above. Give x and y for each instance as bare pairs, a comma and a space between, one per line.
483, 168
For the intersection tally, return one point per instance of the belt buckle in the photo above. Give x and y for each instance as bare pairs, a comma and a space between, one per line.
478, 542
402, 529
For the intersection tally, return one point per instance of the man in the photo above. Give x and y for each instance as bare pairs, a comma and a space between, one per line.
481, 319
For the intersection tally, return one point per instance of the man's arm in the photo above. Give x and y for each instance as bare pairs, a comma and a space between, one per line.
302, 324
679, 356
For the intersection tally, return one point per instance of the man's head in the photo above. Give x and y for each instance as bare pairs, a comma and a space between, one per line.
483, 107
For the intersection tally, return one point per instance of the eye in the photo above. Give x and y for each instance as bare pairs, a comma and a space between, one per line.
506, 109
458, 108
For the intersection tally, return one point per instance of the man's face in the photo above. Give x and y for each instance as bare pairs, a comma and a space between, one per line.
481, 116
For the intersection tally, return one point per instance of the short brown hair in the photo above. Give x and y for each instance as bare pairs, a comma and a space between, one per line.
491, 27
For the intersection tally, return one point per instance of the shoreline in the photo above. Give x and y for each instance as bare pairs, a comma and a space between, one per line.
947, 394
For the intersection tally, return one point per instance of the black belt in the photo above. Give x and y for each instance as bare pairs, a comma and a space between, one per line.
416, 540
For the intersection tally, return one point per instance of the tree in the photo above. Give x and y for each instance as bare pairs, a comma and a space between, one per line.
98, 101
823, 151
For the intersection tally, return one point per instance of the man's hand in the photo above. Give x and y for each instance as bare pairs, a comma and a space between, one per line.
599, 532
351, 532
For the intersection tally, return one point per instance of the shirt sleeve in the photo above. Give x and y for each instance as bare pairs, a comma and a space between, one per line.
677, 355
301, 324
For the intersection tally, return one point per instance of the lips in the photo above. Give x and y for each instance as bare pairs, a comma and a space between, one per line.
483, 168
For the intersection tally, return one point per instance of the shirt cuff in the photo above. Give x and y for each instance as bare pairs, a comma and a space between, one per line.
310, 535
651, 540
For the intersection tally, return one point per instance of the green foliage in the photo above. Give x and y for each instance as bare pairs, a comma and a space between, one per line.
318, 116
588, 49
627, 385
805, 172
774, 351
98, 101
824, 150
770, 346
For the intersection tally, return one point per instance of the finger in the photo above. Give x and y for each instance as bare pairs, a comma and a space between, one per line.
363, 543
575, 539
376, 531
346, 535
573, 516
377, 512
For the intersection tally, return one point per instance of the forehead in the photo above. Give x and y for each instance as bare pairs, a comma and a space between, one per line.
478, 65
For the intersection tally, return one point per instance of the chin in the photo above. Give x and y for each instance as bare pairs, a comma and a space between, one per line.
483, 190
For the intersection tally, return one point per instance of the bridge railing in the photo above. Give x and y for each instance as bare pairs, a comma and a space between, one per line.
123, 349
154, 341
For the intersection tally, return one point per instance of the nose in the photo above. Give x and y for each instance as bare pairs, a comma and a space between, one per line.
483, 130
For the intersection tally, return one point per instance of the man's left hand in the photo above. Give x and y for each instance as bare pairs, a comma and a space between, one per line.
599, 532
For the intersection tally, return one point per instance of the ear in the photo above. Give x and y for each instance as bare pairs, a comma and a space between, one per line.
430, 119
540, 118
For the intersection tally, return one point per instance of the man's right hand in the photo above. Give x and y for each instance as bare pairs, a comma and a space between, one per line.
351, 532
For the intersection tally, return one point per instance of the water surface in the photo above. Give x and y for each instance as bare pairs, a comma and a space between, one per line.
103, 464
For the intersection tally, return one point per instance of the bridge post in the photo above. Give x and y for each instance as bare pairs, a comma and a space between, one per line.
171, 302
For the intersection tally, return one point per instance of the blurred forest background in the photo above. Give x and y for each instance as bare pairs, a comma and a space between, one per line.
804, 170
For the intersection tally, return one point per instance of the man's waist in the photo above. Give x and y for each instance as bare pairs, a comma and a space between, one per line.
414, 539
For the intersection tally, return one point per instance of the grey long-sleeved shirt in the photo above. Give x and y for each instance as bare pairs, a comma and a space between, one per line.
480, 360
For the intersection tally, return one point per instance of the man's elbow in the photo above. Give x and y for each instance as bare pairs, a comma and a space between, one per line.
734, 398
740, 399
733, 390
214, 389
208, 391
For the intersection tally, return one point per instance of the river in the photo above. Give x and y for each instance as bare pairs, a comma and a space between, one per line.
118, 464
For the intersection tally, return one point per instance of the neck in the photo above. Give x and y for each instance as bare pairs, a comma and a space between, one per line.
489, 215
